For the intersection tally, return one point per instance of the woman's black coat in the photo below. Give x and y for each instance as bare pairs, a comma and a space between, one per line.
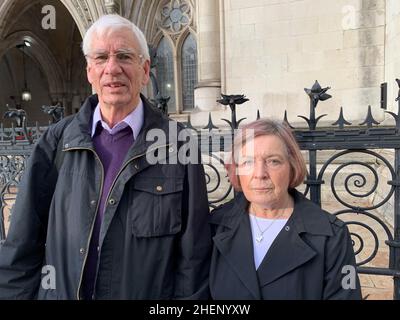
311, 258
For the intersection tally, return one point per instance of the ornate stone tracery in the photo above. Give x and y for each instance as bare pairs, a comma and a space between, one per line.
175, 16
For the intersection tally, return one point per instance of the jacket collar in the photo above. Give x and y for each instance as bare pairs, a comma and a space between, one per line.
288, 251
307, 216
236, 246
78, 133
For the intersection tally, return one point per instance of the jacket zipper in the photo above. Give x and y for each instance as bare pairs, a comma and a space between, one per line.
94, 220
113, 185
98, 202
126, 164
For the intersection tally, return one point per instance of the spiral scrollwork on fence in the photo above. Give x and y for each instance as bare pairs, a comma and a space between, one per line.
357, 184
366, 227
218, 185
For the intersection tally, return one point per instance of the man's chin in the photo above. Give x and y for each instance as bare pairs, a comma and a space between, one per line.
115, 100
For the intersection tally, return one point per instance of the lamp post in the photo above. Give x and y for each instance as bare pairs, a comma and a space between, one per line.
26, 94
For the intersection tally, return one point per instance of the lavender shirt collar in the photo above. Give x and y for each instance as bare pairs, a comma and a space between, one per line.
134, 120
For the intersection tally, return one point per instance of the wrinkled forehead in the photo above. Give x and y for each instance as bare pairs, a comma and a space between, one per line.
264, 146
114, 39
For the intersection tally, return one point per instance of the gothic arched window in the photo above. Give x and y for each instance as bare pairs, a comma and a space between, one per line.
165, 72
189, 72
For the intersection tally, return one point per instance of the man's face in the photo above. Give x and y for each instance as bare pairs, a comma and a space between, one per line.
116, 70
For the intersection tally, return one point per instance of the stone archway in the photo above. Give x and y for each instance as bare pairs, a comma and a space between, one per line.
62, 66
40, 53
83, 12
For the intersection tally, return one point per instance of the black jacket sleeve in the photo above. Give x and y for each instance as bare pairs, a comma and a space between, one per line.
341, 281
195, 242
22, 253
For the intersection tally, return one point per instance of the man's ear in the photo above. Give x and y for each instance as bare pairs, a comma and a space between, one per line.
89, 73
146, 69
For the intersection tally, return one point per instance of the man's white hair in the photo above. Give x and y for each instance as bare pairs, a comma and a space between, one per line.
112, 22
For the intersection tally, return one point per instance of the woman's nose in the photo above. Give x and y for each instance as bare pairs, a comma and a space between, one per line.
260, 170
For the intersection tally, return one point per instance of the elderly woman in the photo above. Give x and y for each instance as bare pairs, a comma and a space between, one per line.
270, 242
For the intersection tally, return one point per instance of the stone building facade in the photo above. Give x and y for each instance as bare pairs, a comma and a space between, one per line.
267, 49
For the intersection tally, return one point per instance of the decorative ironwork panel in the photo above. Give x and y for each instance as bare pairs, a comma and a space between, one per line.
218, 186
11, 170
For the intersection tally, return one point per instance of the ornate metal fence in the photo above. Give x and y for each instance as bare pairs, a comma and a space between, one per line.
361, 145
15, 149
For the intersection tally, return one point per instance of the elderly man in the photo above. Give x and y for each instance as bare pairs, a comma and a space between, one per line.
94, 219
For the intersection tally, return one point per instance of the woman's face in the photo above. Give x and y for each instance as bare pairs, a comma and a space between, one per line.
264, 172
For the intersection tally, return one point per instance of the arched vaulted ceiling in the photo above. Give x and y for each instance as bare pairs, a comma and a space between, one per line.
40, 53
21, 20
84, 12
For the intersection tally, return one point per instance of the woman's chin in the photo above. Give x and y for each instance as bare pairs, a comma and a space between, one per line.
264, 201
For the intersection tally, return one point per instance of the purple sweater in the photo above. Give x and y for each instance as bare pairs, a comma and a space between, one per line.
112, 150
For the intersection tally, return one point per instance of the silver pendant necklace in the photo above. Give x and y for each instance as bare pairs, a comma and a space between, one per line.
260, 236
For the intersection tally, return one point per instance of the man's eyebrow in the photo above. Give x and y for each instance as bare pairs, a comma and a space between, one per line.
122, 50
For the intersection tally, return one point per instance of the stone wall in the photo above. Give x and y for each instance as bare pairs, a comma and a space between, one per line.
273, 49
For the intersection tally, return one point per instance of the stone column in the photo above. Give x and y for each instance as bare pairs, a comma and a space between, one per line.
208, 89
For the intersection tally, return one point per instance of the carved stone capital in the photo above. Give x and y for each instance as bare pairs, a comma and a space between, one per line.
113, 6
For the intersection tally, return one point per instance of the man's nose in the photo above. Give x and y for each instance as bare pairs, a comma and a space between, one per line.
112, 66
